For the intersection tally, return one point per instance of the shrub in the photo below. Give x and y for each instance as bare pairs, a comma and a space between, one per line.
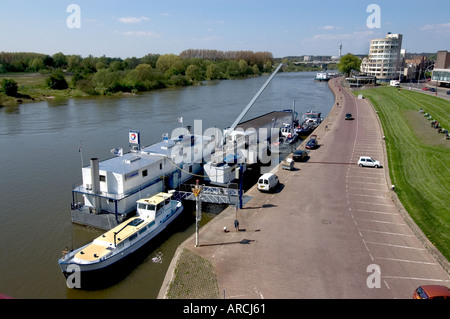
56, 81
9, 87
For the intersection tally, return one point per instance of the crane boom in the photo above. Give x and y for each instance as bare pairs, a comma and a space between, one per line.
239, 118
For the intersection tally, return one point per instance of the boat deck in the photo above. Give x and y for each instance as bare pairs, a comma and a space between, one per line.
105, 243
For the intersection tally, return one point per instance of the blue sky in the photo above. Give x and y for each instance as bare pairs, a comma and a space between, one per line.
118, 28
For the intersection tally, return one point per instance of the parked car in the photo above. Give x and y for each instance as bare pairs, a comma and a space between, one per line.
268, 182
299, 155
425, 88
368, 161
348, 116
448, 92
432, 90
312, 143
432, 292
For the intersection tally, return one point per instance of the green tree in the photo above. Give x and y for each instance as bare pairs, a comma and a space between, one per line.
348, 63
243, 67
36, 64
193, 73
9, 86
106, 81
212, 72
59, 60
57, 81
170, 64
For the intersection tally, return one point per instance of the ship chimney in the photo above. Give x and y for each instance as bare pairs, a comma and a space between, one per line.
95, 181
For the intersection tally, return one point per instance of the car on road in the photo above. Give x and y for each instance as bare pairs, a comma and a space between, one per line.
368, 161
312, 143
432, 292
300, 155
268, 182
348, 116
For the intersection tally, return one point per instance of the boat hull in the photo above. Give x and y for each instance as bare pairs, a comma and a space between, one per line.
101, 273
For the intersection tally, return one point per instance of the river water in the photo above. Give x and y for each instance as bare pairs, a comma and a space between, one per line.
41, 161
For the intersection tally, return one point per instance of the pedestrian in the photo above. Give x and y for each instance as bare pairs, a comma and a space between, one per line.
236, 225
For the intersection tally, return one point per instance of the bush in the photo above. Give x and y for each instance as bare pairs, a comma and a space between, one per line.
9, 87
56, 81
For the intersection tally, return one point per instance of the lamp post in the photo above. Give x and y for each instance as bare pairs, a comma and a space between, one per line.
198, 204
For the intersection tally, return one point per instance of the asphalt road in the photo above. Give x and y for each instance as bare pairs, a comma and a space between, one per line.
331, 230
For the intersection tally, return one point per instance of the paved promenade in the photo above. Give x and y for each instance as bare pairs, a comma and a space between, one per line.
332, 230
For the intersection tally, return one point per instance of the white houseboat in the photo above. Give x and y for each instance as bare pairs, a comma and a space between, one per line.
111, 187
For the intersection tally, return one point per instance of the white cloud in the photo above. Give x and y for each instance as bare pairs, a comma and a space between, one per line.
443, 28
327, 27
150, 34
133, 19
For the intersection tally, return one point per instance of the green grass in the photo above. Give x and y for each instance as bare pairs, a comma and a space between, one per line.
32, 87
419, 157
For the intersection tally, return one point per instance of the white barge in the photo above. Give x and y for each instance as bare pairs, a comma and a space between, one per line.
111, 188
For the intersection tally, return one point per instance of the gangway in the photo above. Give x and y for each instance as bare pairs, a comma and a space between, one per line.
228, 195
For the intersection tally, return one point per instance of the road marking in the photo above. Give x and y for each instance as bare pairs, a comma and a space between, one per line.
392, 245
367, 183
373, 196
388, 205
365, 177
375, 212
408, 261
386, 233
416, 278
381, 222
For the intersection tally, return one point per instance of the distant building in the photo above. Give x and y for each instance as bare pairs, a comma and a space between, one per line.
385, 59
416, 66
441, 72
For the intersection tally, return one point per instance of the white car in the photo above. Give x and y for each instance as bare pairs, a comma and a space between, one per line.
368, 161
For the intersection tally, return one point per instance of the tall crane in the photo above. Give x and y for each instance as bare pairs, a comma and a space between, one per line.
249, 105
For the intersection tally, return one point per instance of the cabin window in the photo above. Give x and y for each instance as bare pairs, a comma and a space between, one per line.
167, 201
102, 178
160, 166
133, 237
131, 175
142, 230
144, 173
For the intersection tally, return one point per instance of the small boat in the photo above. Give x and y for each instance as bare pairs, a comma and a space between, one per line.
154, 214
288, 133
322, 77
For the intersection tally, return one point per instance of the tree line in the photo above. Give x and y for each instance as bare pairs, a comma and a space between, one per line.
105, 75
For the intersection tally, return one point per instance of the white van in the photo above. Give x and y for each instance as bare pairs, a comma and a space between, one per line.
268, 182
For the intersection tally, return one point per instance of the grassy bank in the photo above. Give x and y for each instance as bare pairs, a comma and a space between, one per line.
32, 88
418, 157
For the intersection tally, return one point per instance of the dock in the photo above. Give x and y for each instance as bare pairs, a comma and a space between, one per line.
320, 235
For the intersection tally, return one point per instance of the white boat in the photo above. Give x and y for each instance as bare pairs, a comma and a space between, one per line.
154, 214
322, 76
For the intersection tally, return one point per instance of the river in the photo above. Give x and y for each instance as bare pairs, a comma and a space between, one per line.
41, 162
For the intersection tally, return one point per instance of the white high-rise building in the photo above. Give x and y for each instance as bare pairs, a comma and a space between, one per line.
385, 60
